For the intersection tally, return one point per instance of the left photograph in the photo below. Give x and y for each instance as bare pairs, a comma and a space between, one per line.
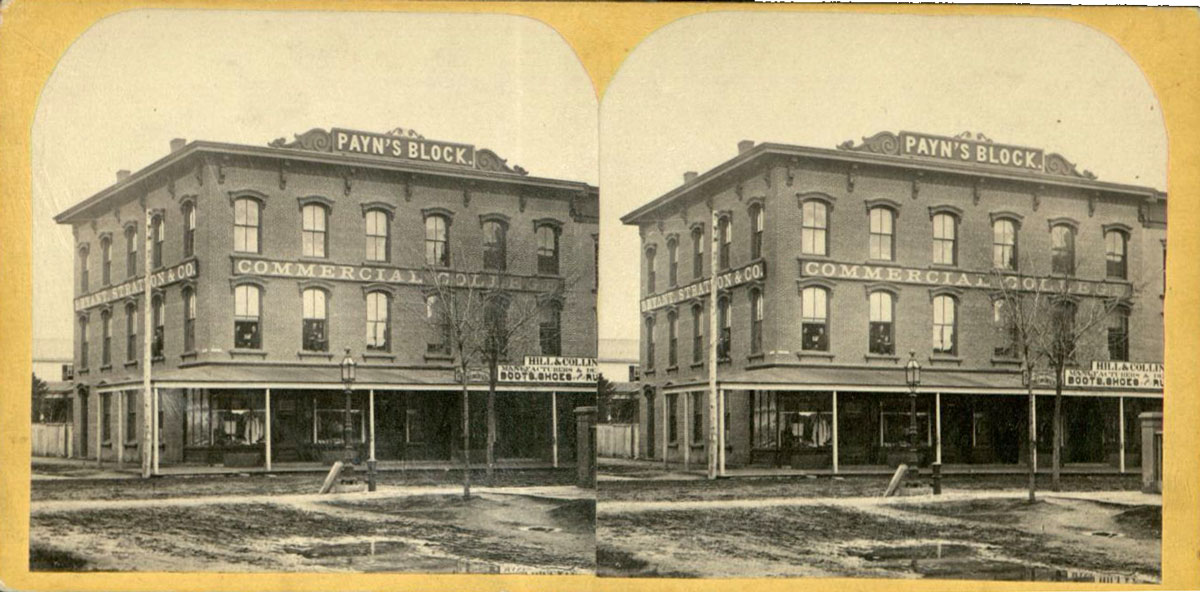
315, 292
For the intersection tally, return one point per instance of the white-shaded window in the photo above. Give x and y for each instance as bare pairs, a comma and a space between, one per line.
377, 321
376, 222
313, 230
882, 233
437, 241
246, 225
1115, 247
814, 228
881, 330
814, 319
1062, 249
945, 239
247, 302
316, 313
944, 325
1004, 244
547, 249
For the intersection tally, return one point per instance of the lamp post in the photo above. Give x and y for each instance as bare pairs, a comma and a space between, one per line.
348, 375
912, 376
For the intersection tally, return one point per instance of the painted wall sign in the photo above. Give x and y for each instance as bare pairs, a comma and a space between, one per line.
407, 148
560, 361
960, 279
392, 275
1116, 375
972, 151
165, 277
699, 288
543, 374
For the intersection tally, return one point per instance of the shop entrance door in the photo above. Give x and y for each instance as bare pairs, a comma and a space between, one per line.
650, 423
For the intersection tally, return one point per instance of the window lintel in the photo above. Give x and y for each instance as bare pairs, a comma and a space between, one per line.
946, 209
883, 202
1063, 221
320, 200
381, 206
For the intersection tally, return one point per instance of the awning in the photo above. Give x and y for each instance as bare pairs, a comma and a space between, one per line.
888, 379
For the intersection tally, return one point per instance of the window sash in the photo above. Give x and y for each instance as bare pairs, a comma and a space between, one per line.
697, 255
881, 342
315, 338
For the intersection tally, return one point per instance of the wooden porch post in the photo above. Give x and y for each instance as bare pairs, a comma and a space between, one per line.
267, 445
835, 433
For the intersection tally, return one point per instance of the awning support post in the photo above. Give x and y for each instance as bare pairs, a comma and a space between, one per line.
1121, 411
119, 441
835, 432
154, 434
687, 435
267, 431
937, 414
554, 428
721, 394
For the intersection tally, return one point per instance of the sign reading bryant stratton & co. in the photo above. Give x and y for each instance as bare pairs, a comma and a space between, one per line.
962, 279
700, 288
135, 287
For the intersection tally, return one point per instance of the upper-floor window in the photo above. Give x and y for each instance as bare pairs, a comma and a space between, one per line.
1118, 334
247, 228
883, 236
756, 231
131, 332
1004, 326
697, 333
314, 234
495, 245
650, 275
84, 280
756, 321
725, 231
131, 251
105, 338
944, 324
106, 260
378, 327
1115, 247
814, 228
316, 311
697, 253
649, 323
547, 249
158, 234
83, 342
1062, 249
672, 339
377, 235
438, 319
672, 262
495, 320
725, 322
247, 306
814, 319
158, 313
1004, 244
945, 239
189, 229
189, 320
881, 330
437, 241
550, 329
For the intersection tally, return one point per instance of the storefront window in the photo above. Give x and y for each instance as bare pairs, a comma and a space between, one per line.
894, 420
698, 408
673, 416
237, 419
329, 415
790, 421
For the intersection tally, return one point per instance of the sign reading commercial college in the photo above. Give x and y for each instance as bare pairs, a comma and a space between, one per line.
184, 271
392, 275
729, 279
962, 279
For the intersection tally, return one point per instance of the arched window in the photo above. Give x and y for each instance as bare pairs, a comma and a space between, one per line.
1115, 247
158, 310
84, 280
651, 280
1062, 249
649, 322
189, 229
881, 331
697, 333
158, 234
131, 332
1118, 334
550, 329
756, 231
882, 241
1004, 244
944, 325
547, 249
378, 333
316, 336
672, 339
313, 230
814, 228
105, 338
377, 235
106, 260
945, 239
756, 321
247, 306
437, 241
131, 251
672, 262
725, 322
1005, 327
438, 319
814, 319
247, 227
83, 342
495, 247
725, 231
189, 320
697, 253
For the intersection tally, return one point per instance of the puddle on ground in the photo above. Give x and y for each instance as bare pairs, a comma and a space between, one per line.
540, 528
389, 555
951, 560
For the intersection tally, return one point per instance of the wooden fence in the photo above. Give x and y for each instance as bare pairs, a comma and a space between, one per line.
52, 439
617, 440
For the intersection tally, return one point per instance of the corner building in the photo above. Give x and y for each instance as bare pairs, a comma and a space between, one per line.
267, 263
834, 264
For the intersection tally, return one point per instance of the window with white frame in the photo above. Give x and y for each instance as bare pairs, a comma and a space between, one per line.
814, 319
881, 331
944, 325
378, 326
377, 235
945, 239
882, 236
316, 312
246, 317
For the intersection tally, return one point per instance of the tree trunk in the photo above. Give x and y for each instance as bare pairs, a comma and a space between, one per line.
466, 435
491, 422
1056, 478
1032, 439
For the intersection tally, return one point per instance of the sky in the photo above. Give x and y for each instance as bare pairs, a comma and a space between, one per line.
690, 91
136, 80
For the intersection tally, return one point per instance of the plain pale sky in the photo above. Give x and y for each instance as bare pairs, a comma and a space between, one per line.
137, 79
687, 94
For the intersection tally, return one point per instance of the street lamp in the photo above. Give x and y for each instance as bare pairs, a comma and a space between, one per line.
912, 376
349, 366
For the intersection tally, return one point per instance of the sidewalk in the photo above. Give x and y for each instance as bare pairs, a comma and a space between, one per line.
111, 470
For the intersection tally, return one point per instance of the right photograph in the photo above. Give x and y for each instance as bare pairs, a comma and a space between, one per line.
881, 297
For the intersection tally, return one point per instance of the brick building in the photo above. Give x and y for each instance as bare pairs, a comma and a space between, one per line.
834, 264
268, 262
